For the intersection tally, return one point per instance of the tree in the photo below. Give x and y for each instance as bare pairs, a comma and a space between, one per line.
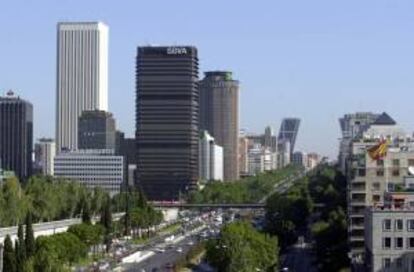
243, 249
127, 217
9, 257
14, 204
106, 222
22, 244
106, 216
86, 212
30, 240
89, 234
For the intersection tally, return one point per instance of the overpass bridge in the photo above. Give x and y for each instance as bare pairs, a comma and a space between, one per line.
178, 205
49, 228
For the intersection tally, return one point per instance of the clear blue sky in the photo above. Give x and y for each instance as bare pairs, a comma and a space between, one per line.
310, 59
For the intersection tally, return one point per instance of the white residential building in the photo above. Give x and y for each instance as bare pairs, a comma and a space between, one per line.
256, 159
45, 151
389, 234
82, 77
93, 168
210, 158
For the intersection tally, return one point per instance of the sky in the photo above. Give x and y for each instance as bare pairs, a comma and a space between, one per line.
315, 60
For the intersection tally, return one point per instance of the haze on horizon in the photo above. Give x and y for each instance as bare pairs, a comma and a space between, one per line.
315, 60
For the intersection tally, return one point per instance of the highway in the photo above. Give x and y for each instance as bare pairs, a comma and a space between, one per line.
163, 255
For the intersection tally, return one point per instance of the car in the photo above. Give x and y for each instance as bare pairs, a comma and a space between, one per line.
160, 250
190, 243
179, 250
169, 266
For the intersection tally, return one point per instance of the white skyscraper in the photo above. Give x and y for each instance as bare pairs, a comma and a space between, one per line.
45, 151
82, 77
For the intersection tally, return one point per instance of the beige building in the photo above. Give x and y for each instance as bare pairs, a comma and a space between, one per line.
243, 155
369, 179
219, 115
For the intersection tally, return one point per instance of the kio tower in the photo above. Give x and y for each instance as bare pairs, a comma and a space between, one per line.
167, 130
82, 77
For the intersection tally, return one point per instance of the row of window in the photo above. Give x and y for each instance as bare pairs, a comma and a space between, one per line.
386, 263
380, 172
396, 162
398, 225
398, 243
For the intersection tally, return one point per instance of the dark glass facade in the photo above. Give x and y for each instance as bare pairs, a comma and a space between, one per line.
16, 136
96, 130
289, 131
167, 120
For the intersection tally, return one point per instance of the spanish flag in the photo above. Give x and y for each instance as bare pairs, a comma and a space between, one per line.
379, 150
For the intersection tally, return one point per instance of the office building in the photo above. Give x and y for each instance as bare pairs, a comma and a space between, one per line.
82, 77
389, 234
352, 127
211, 158
96, 130
368, 179
16, 135
45, 151
219, 115
5, 175
288, 132
283, 153
244, 156
300, 158
313, 159
167, 131
269, 139
92, 168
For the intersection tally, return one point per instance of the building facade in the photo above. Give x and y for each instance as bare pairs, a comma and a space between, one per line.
167, 121
368, 179
352, 127
45, 151
96, 130
300, 158
389, 234
244, 156
92, 168
211, 158
16, 135
288, 133
219, 115
82, 77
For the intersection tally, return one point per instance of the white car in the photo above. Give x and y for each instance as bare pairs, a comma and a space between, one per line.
179, 250
160, 250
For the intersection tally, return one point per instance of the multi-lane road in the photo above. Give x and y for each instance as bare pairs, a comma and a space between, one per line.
162, 255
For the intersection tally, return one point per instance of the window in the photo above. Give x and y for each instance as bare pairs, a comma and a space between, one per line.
380, 162
376, 186
386, 224
399, 262
386, 262
376, 198
399, 243
396, 173
380, 173
399, 225
410, 242
361, 172
396, 162
386, 243
410, 162
410, 225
